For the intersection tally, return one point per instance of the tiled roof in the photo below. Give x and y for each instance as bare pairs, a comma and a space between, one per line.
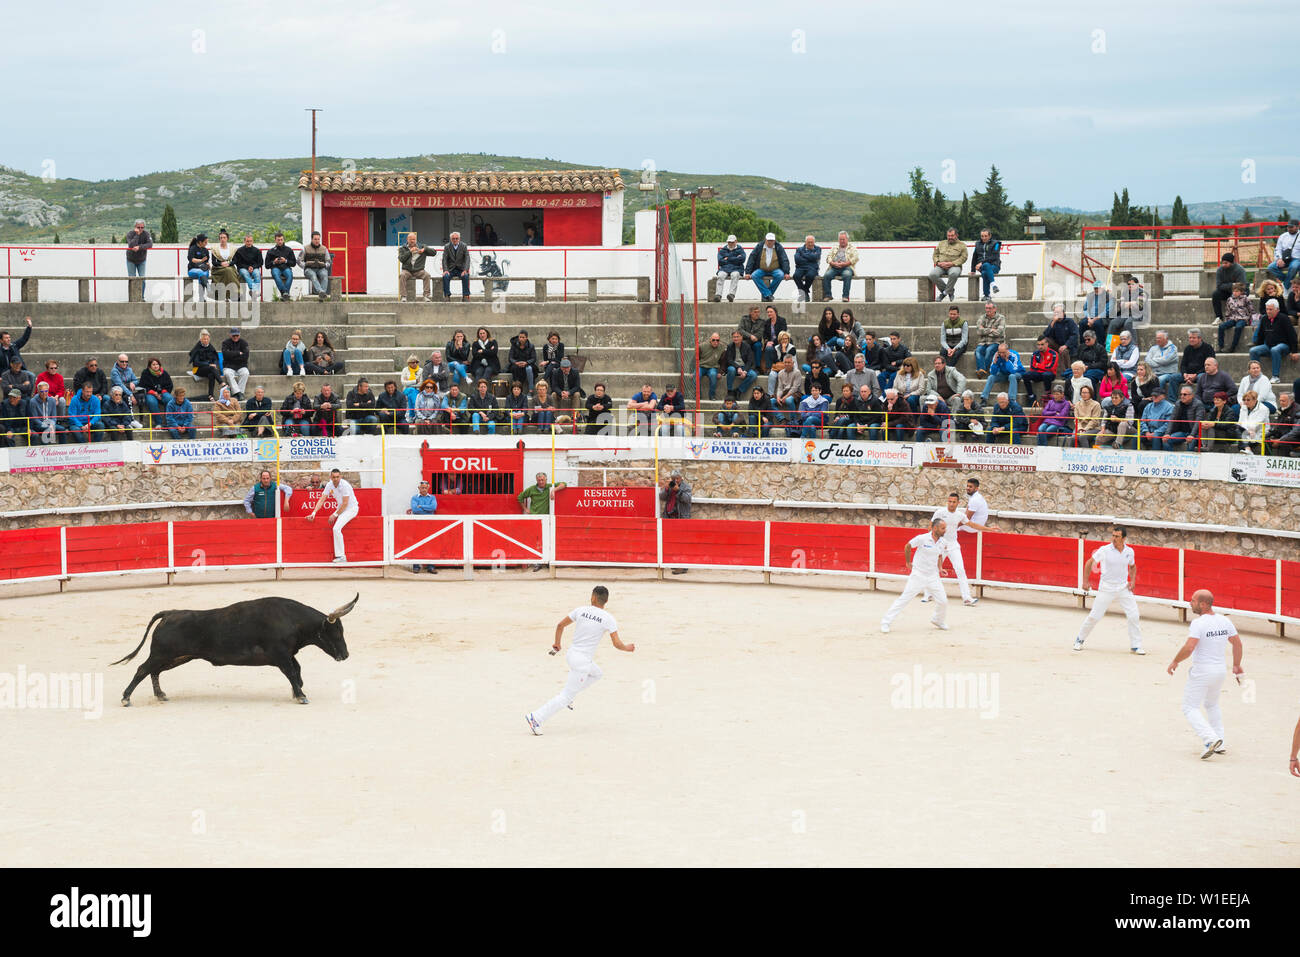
535, 181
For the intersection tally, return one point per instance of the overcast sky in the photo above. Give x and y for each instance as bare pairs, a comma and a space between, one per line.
1073, 102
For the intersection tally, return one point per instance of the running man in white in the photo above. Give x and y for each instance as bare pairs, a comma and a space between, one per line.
923, 556
339, 489
1118, 576
592, 622
954, 518
1208, 637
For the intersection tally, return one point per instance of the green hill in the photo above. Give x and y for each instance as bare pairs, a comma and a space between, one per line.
262, 194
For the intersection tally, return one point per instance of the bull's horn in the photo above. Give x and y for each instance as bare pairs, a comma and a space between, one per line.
338, 613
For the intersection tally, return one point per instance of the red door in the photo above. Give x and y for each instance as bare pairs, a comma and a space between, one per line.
346, 232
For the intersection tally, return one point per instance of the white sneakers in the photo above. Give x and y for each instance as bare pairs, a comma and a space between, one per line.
533, 725
1139, 650
925, 598
941, 625
970, 602
1078, 644
884, 628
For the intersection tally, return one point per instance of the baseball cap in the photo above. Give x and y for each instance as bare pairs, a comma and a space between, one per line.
234, 331
565, 363
731, 238
931, 399
1294, 222
770, 236
15, 394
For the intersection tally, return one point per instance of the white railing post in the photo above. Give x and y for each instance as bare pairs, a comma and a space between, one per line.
1277, 579
171, 548
467, 544
767, 546
1078, 566
659, 543
63, 551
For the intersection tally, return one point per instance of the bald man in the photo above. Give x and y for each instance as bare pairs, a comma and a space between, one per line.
1208, 637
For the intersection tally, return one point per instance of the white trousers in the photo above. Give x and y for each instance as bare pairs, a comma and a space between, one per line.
237, 379
723, 277
914, 585
1127, 603
583, 673
1202, 691
339, 522
958, 569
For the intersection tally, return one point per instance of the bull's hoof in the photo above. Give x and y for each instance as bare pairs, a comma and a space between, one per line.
126, 702
161, 697
300, 698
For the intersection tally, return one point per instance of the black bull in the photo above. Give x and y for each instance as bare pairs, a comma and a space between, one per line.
264, 631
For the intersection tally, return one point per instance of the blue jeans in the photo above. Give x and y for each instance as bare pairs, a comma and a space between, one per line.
527, 373
1171, 382
711, 377
545, 419
1046, 432
1278, 351
1096, 375
1292, 270
479, 417
200, 276
886, 379
767, 289
1234, 324
1013, 385
843, 428
460, 274
156, 404
1151, 441
1174, 441
984, 354
135, 271
785, 406
811, 423
751, 376
283, 280
252, 279
293, 360
760, 424
459, 373
184, 432
319, 279
354, 427
837, 272
987, 272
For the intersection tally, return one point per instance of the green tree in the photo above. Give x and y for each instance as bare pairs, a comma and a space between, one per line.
889, 218
56, 238
1179, 216
114, 239
965, 219
715, 220
167, 232
993, 210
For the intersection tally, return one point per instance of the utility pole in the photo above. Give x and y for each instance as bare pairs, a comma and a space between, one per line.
313, 110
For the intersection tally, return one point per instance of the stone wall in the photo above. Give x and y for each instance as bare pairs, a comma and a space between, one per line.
124, 484
1178, 502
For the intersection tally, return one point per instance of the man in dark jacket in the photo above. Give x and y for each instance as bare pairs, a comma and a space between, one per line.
327, 411
897, 421
986, 261
92, 373
16, 377
258, 417
138, 244
731, 266
9, 349
1007, 422
281, 259
1185, 421
522, 360
234, 362
1094, 358
390, 406
738, 360
455, 265
873, 352
767, 266
13, 420
482, 408
566, 384
360, 410
807, 268
1275, 336
891, 358
1192, 363
599, 405
1229, 272
1284, 433
248, 263
1063, 333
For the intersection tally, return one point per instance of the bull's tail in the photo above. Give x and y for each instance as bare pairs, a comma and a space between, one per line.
157, 617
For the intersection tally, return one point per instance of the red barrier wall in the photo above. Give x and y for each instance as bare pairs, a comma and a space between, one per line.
712, 542
304, 541
410, 544
227, 542
1033, 559
30, 553
508, 538
1250, 587
109, 548
820, 547
622, 540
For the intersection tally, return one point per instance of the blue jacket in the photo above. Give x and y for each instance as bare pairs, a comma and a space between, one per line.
807, 261
810, 404
1013, 417
44, 413
83, 412
1153, 412
990, 252
1001, 368
126, 378
179, 416
731, 260
782, 260
424, 504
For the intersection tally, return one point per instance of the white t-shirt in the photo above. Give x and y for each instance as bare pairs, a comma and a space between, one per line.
927, 554
978, 508
954, 520
1114, 565
343, 491
591, 623
1211, 633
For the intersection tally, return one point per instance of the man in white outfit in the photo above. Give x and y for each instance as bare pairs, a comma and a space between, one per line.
1208, 637
1118, 567
592, 622
339, 489
954, 518
923, 555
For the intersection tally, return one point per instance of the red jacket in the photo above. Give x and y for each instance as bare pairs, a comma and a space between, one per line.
1044, 361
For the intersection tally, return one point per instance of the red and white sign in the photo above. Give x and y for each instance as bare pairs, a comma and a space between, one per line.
618, 502
463, 200
47, 458
369, 500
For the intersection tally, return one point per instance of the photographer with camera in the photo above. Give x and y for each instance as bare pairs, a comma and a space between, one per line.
675, 497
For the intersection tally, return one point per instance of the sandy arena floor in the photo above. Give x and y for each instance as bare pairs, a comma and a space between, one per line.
752, 726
